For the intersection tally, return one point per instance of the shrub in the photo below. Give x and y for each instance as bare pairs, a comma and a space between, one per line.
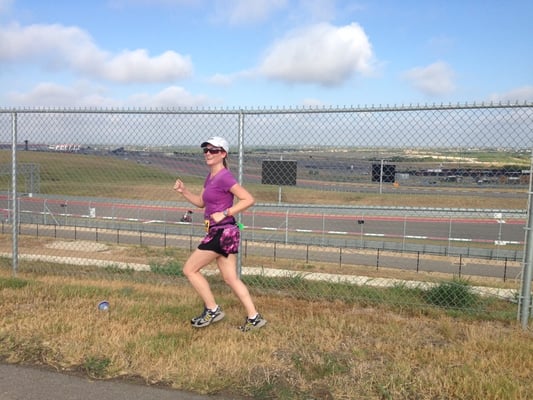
453, 294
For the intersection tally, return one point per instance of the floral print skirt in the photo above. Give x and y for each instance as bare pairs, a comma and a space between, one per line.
223, 240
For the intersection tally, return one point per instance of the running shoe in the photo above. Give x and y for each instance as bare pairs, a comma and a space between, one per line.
207, 317
255, 323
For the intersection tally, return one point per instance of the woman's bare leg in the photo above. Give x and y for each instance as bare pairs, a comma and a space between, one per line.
197, 260
228, 269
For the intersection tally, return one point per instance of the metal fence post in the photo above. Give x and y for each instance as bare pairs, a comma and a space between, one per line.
14, 201
240, 175
286, 226
525, 297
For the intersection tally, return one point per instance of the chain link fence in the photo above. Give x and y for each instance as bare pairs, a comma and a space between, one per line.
415, 205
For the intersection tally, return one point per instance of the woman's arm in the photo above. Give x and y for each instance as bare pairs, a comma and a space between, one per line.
246, 200
192, 198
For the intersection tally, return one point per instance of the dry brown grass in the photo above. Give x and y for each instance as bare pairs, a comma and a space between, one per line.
440, 199
104, 176
309, 349
269, 194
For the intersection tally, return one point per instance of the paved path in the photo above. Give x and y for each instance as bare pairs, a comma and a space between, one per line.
32, 383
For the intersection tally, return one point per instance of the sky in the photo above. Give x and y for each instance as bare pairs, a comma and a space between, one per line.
167, 54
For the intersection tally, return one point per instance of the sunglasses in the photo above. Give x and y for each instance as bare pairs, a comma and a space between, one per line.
212, 151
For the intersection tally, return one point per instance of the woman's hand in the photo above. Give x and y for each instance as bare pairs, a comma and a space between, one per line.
179, 186
192, 198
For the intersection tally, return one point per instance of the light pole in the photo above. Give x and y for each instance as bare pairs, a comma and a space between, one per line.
381, 178
361, 223
501, 221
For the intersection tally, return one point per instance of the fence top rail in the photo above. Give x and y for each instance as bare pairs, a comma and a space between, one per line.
278, 110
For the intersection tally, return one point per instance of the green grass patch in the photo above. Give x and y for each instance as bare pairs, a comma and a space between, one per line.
96, 366
172, 268
456, 295
102, 176
13, 283
166, 343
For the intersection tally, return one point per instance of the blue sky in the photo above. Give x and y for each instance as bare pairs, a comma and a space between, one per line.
263, 53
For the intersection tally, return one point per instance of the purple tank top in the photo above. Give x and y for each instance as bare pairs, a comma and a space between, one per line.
217, 196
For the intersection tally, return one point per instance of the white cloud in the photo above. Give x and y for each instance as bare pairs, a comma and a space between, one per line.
240, 12
435, 79
322, 54
83, 94
54, 95
520, 94
138, 66
171, 97
59, 47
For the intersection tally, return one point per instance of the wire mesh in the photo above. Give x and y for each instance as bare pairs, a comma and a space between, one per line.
361, 204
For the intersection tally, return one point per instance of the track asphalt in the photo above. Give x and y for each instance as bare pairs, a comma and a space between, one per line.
19, 382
